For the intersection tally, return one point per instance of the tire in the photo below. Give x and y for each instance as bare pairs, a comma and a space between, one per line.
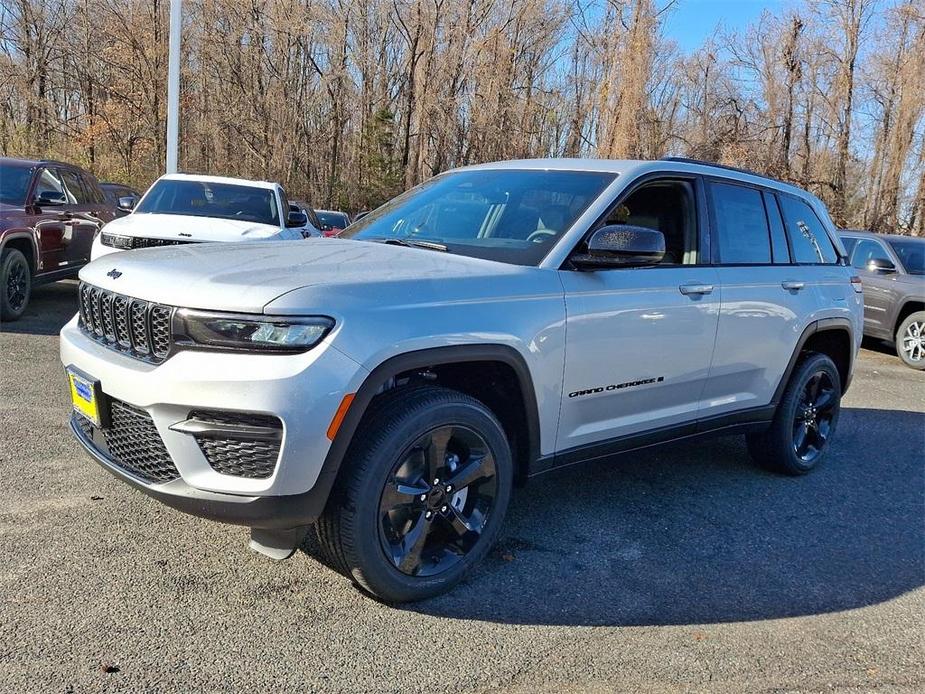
805, 421
387, 525
910, 340
15, 284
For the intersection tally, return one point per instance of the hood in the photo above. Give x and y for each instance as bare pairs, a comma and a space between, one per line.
172, 226
11, 215
246, 277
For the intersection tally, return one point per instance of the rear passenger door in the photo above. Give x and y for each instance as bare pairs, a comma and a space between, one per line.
765, 298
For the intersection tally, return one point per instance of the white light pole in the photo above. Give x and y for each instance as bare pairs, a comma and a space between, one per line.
173, 85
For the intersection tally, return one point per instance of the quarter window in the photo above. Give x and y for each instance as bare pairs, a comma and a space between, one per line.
808, 239
741, 225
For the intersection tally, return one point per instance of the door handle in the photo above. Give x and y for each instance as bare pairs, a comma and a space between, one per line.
688, 289
792, 285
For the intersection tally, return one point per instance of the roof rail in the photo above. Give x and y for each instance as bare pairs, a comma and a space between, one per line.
701, 162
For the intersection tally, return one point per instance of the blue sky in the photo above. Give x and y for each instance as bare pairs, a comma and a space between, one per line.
691, 22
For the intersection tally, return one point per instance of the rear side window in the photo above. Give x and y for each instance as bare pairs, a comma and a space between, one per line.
76, 193
808, 239
741, 225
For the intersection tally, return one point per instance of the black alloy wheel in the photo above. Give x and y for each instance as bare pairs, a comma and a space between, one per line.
812, 422
437, 501
15, 284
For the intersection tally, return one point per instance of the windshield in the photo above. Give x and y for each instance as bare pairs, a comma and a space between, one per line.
513, 216
14, 182
206, 199
911, 255
332, 220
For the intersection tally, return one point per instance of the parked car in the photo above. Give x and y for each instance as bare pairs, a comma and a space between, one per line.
120, 196
892, 269
333, 222
314, 224
49, 213
184, 208
495, 323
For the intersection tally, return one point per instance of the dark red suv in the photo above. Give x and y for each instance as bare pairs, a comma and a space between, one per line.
49, 214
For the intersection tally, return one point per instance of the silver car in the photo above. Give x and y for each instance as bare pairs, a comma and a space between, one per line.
389, 387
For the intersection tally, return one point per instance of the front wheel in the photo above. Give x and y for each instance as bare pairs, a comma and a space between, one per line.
799, 436
15, 284
910, 340
422, 494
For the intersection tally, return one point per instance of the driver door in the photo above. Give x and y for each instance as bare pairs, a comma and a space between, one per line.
639, 341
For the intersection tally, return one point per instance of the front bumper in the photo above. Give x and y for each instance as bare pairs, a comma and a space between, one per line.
302, 391
263, 512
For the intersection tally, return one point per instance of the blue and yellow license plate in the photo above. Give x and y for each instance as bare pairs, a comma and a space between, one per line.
85, 395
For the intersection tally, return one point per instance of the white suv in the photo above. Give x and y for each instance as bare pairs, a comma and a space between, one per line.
492, 324
184, 208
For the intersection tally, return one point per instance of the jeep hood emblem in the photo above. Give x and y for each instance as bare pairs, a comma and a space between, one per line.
115, 274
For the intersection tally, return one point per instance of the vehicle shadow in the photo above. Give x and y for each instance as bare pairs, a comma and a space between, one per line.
50, 307
695, 534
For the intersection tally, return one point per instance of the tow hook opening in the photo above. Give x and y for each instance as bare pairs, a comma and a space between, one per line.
277, 544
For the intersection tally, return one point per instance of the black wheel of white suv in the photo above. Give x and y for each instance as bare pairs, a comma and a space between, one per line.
910, 340
15, 284
799, 436
422, 494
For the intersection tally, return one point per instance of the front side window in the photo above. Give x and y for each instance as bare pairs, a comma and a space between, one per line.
808, 239
743, 236
15, 185
867, 250
49, 183
512, 216
207, 199
911, 255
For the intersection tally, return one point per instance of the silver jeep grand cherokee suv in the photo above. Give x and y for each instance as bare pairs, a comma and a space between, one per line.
499, 321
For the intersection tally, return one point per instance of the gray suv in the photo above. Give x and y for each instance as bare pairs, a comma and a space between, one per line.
389, 387
892, 270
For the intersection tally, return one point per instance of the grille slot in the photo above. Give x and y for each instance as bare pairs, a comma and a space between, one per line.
147, 242
138, 328
133, 443
236, 455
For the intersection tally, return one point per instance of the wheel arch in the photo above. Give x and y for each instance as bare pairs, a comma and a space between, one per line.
908, 307
830, 336
448, 361
24, 242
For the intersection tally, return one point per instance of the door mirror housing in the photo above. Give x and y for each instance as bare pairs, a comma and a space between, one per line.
50, 198
622, 245
296, 219
881, 265
127, 203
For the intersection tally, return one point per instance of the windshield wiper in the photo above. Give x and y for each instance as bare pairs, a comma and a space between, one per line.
414, 243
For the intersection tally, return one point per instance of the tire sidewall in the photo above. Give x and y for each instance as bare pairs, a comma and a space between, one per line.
377, 572
807, 369
11, 257
911, 318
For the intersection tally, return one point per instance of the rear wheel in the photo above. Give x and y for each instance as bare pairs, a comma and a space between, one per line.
910, 340
805, 421
422, 495
15, 284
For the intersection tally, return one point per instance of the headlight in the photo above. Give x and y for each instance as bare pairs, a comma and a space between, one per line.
249, 332
116, 240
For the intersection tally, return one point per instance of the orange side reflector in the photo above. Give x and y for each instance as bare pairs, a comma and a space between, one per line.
340, 414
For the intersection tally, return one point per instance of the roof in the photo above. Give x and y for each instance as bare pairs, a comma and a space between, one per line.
627, 167
32, 163
888, 237
218, 179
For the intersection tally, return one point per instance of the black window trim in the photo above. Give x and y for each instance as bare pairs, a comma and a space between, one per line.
696, 181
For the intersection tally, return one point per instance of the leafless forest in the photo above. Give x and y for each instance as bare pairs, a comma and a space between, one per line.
350, 101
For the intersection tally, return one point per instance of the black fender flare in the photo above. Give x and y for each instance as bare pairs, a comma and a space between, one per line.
23, 234
420, 359
818, 326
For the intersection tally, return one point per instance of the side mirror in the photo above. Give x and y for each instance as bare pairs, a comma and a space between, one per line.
296, 219
881, 265
621, 245
50, 198
127, 203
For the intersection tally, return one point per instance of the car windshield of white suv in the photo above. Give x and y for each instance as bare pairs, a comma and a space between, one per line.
912, 255
512, 216
207, 199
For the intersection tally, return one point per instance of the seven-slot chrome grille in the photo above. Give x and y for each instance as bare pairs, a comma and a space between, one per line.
138, 328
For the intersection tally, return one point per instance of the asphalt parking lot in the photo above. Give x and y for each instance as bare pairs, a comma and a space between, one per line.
681, 569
